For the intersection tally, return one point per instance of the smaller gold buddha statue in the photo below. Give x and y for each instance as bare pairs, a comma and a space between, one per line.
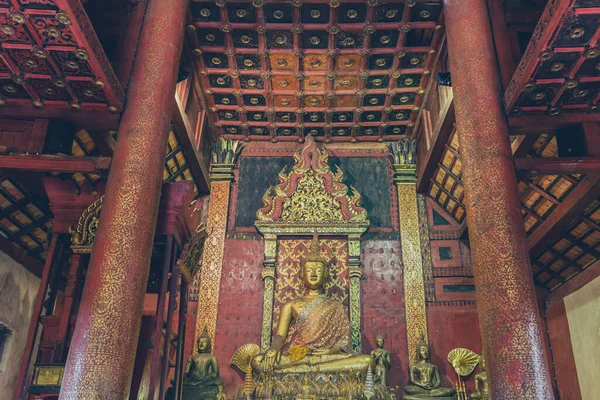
481, 383
201, 379
383, 361
425, 382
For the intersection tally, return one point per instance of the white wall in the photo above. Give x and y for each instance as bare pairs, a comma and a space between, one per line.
18, 289
583, 314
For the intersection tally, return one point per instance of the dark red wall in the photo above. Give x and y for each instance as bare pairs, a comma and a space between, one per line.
452, 326
240, 305
383, 303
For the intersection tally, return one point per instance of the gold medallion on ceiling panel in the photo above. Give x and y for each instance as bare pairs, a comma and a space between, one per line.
313, 83
283, 82
348, 62
314, 101
284, 101
282, 61
316, 62
346, 82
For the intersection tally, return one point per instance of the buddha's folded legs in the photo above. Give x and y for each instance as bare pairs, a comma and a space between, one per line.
426, 393
329, 363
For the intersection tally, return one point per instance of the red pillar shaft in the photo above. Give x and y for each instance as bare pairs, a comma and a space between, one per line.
102, 352
509, 319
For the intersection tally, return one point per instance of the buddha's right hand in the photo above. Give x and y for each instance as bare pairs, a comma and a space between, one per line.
271, 358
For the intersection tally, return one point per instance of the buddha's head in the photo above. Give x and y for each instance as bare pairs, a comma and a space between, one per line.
423, 350
482, 363
204, 342
379, 341
315, 269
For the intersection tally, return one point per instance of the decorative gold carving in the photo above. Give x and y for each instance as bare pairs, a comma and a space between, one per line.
82, 237
311, 194
189, 261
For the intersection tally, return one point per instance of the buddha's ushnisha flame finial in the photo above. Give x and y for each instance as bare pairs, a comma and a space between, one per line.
314, 252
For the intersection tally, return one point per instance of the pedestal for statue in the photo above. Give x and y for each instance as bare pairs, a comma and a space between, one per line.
317, 386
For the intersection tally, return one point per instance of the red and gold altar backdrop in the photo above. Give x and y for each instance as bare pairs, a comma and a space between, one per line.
288, 282
452, 314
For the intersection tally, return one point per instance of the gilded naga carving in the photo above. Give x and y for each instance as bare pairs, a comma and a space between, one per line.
83, 235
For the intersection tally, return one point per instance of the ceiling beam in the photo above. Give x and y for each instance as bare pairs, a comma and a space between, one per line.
104, 141
557, 166
541, 123
575, 203
55, 163
186, 133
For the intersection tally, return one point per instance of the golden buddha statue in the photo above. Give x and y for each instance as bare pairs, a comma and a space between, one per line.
425, 379
481, 383
383, 361
201, 379
321, 340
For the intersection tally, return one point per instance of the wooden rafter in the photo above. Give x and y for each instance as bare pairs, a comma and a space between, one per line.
572, 206
557, 165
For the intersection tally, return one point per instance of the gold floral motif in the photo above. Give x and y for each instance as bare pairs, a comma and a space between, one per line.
311, 201
414, 289
212, 258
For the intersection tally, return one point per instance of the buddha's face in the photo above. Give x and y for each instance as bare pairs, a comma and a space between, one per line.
424, 352
203, 345
483, 363
379, 342
314, 274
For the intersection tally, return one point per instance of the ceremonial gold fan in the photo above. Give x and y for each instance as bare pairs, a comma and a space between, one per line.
242, 359
463, 361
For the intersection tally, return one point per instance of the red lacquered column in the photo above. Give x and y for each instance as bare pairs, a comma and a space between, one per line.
506, 302
103, 348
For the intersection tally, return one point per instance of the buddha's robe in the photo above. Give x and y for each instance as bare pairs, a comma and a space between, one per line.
322, 324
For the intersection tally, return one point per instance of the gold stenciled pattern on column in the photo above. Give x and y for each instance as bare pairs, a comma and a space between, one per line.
414, 289
212, 259
404, 158
224, 155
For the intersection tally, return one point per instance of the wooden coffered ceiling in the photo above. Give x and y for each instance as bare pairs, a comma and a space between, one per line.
560, 70
347, 71
50, 58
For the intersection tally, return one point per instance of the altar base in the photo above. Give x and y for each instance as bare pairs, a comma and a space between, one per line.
316, 386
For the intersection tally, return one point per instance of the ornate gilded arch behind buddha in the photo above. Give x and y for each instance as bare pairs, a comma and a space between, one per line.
311, 198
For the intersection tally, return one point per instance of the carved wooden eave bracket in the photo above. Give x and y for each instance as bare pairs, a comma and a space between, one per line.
311, 197
189, 262
83, 235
